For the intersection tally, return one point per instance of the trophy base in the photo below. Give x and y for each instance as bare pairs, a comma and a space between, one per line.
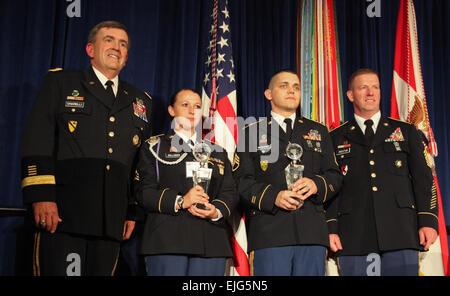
201, 206
301, 201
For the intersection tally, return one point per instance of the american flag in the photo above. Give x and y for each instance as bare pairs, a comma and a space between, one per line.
219, 110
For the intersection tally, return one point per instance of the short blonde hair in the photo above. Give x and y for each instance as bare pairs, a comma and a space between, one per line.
361, 72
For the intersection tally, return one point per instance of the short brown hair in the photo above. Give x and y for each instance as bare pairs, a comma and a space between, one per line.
279, 72
361, 72
106, 24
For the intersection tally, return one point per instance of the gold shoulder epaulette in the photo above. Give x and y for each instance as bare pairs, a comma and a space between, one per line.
253, 123
55, 70
153, 139
149, 96
399, 120
339, 126
304, 118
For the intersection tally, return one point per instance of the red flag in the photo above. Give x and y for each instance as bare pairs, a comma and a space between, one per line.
219, 108
408, 103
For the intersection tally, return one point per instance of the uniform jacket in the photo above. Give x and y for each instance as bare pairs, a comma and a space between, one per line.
78, 150
387, 192
159, 183
259, 182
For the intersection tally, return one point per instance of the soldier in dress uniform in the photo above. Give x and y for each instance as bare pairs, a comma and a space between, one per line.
387, 209
286, 227
78, 151
185, 230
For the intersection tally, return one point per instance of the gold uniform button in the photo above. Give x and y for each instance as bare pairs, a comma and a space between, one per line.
372, 151
372, 162
374, 189
112, 119
110, 150
373, 175
111, 134
73, 110
108, 167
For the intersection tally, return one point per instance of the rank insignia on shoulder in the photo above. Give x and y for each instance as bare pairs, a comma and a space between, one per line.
140, 109
396, 136
72, 125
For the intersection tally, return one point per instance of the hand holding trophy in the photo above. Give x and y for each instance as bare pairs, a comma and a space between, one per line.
202, 175
294, 171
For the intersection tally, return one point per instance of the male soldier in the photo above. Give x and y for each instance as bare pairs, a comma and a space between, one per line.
78, 153
387, 207
287, 230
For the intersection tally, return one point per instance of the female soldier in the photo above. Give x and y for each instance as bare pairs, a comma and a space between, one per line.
185, 231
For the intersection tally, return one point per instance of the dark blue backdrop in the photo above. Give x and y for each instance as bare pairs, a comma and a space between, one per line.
168, 40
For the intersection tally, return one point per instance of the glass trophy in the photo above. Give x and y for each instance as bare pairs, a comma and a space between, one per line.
202, 175
294, 171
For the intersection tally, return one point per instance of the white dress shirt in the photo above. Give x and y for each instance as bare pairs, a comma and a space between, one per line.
103, 80
280, 119
360, 121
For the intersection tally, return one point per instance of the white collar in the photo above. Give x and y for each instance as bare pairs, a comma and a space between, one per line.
375, 118
185, 138
103, 80
280, 119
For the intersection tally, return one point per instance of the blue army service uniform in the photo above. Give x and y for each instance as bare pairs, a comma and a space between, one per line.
78, 150
177, 242
259, 181
387, 194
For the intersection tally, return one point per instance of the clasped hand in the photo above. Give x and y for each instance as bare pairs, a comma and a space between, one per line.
196, 195
292, 199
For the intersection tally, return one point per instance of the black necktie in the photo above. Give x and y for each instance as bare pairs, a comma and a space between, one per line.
288, 122
109, 89
369, 131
